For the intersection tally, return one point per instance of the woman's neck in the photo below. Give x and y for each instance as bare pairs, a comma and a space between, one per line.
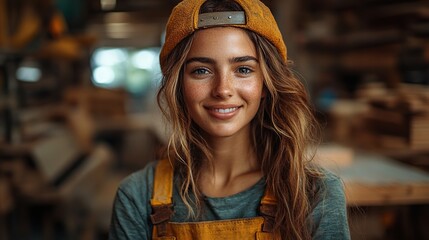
232, 154
234, 167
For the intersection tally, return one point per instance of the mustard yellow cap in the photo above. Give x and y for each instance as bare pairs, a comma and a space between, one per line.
185, 19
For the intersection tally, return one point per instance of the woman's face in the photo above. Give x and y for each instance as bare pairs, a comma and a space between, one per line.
222, 81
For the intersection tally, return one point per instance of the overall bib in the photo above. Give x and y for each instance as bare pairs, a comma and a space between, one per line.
259, 228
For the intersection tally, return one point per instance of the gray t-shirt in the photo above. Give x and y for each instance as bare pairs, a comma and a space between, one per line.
132, 209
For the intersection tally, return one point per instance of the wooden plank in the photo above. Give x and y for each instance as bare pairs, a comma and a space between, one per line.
359, 194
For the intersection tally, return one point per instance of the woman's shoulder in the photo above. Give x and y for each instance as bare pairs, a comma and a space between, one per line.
140, 180
131, 208
329, 212
329, 195
329, 178
330, 185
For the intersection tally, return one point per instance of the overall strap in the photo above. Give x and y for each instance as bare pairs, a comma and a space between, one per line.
268, 210
161, 201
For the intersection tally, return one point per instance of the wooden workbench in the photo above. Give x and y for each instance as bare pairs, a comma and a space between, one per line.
373, 180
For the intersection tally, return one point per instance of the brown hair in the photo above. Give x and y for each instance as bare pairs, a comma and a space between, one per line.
282, 129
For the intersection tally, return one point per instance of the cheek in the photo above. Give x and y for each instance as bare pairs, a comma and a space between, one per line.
192, 92
253, 90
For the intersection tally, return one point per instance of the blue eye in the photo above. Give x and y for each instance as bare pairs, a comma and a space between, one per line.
244, 70
200, 71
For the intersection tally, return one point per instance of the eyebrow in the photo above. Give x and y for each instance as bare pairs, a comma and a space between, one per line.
243, 59
200, 59
212, 61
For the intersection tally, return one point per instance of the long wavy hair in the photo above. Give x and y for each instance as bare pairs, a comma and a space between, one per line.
283, 129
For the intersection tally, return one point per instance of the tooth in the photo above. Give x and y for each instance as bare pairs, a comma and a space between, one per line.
224, 110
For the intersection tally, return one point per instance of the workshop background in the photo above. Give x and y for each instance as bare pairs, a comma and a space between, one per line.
78, 112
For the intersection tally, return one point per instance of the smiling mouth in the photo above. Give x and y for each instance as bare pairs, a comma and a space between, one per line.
225, 110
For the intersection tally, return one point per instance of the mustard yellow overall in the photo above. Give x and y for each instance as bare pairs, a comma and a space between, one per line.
242, 229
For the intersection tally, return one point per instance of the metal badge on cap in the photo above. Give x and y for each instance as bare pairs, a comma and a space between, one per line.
221, 18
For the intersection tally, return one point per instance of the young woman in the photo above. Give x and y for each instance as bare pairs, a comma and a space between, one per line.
237, 165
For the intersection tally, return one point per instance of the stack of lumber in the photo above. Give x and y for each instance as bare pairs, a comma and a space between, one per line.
400, 119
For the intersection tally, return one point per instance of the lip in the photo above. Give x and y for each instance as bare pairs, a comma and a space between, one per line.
223, 112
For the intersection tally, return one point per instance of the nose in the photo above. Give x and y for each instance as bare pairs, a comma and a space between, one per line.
223, 86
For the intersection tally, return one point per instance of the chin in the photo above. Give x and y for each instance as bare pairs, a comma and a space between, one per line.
224, 133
